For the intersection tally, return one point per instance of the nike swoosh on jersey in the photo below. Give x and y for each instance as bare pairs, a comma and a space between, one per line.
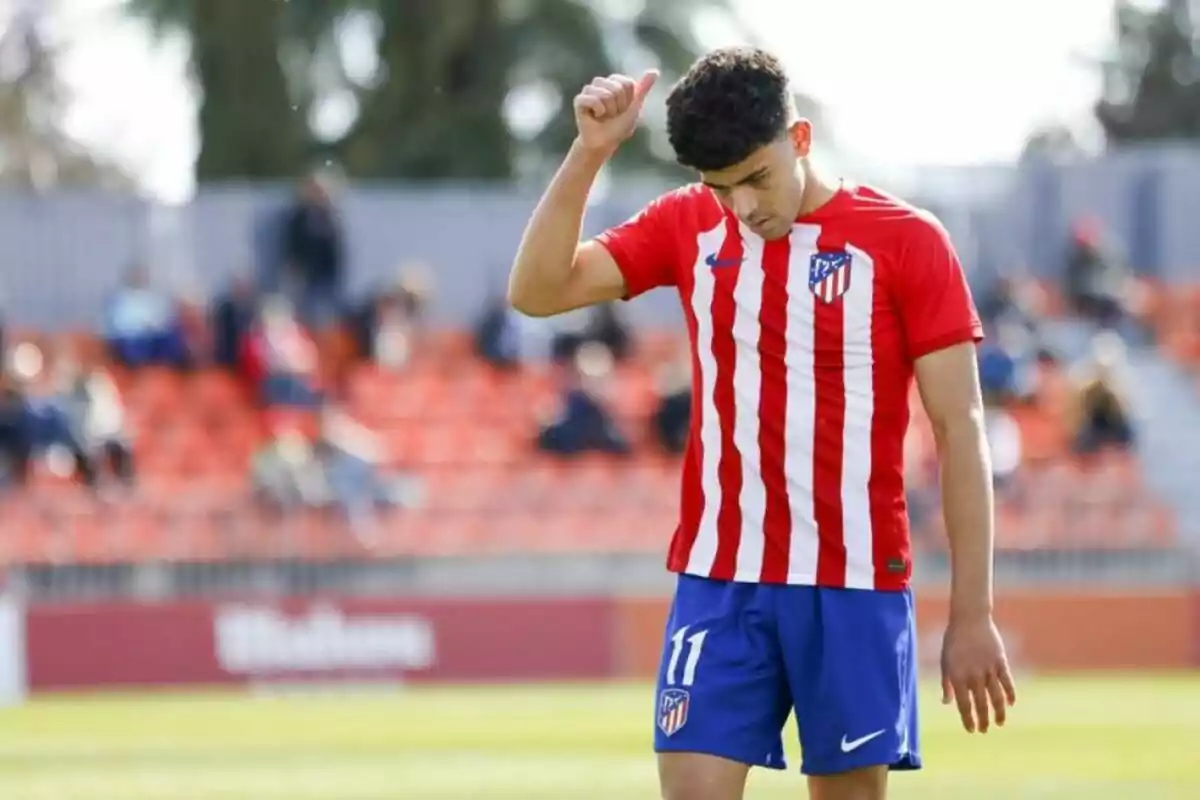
717, 263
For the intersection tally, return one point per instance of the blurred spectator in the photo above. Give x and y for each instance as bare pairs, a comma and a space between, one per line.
343, 467
505, 337
498, 334
600, 324
92, 424
26, 421
1004, 441
1006, 305
232, 318
1049, 383
17, 430
285, 473
191, 309
607, 326
353, 462
673, 412
387, 325
36, 425
1097, 279
1101, 414
997, 371
1009, 356
142, 324
279, 358
314, 254
584, 422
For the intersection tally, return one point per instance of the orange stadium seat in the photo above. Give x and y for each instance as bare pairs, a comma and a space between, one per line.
25, 537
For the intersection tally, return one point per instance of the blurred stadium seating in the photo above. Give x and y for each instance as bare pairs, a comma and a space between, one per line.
467, 430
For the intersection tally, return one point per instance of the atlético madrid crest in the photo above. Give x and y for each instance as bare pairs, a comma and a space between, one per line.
672, 710
829, 274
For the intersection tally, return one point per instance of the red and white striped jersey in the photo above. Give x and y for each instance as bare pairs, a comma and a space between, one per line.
803, 351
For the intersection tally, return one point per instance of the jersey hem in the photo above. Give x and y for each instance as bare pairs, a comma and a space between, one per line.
890, 584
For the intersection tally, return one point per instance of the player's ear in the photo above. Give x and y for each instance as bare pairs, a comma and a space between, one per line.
800, 133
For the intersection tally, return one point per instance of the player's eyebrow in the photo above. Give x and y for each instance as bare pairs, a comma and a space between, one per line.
761, 172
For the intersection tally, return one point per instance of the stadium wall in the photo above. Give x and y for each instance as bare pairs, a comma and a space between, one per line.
1145, 198
389, 639
1044, 630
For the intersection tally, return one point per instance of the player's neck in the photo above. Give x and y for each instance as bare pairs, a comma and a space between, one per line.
817, 192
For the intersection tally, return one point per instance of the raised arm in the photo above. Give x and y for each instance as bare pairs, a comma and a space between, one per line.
553, 272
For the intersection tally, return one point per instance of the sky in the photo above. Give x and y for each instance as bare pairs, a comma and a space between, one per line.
915, 82
904, 83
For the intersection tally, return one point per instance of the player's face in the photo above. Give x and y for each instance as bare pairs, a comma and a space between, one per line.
765, 191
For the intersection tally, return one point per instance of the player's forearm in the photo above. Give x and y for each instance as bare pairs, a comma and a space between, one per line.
544, 259
968, 506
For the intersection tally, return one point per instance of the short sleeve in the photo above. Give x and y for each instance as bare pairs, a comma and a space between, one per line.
644, 246
935, 303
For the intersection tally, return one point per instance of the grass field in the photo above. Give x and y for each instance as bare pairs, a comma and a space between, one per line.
1130, 738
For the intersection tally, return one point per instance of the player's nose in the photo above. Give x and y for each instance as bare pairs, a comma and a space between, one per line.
744, 203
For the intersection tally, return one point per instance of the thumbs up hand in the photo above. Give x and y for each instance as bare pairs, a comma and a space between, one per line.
607, 110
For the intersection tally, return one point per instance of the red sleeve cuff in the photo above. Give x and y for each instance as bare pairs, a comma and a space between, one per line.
971, 333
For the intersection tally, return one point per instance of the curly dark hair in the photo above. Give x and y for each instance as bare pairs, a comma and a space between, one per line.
730, 103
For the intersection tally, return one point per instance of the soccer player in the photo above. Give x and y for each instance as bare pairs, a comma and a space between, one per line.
810, 306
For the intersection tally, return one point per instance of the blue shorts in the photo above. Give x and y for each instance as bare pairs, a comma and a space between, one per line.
738, 658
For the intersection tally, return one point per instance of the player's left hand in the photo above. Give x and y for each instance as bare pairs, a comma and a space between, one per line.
975, 673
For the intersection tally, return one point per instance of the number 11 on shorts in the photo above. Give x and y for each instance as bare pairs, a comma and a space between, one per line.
695, 644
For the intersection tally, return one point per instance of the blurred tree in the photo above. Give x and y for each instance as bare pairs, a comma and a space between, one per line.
439, 102
1152, 83
454, 71
253, 118
437, 110
35, 152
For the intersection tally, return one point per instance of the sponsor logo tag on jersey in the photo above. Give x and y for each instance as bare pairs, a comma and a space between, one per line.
829, 275
672, 710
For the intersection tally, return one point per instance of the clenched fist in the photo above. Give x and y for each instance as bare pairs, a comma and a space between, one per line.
607, 110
